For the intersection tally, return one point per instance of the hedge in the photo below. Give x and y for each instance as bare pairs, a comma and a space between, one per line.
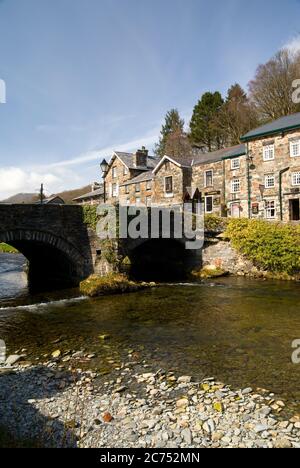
270, 246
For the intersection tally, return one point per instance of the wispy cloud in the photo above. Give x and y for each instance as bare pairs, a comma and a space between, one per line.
63, 175
293, 44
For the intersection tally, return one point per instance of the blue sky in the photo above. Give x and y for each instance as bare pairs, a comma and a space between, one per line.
85, 77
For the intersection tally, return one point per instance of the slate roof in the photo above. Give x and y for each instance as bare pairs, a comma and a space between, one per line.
289, 122
128, 160
140, 178
95, 193
225, 153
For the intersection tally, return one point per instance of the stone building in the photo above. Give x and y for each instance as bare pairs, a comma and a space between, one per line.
260, 178
274, 169
94, 197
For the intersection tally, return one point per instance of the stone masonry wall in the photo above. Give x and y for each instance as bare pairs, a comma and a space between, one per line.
283, 160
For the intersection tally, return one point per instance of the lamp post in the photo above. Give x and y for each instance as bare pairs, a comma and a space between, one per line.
104, 167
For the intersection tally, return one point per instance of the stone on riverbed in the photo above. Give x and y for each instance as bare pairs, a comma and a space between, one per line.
13, 359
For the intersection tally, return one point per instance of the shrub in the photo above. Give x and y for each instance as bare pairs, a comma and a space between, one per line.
270, 246
215, 223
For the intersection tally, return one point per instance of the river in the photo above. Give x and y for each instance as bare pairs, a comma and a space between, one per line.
235, 329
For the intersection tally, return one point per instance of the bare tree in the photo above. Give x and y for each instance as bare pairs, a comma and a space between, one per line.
177, 144
272, 88
237, 115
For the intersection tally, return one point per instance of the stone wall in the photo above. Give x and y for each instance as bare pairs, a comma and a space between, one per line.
219, 253
261, 168
181, 179
216, 190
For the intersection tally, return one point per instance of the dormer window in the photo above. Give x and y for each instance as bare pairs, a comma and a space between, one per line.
269, 152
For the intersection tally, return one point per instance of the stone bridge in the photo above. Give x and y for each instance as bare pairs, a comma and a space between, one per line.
53, 238
61, 250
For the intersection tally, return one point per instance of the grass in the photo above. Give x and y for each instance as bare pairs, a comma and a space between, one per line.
113, 283
5, 248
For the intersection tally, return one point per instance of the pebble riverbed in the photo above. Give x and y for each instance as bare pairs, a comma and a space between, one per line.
57, 404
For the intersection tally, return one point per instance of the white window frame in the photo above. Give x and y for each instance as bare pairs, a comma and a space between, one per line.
115, 190
268, 179
127, 189
212, 204
138, 200
269, 153
114, 173
149, 185
296, 179
236, 186
168, 194
293, 145
269, 209
125, 171
138, 188
206, 177
235, 163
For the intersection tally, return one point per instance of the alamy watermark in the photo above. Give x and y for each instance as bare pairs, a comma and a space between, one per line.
296, 92
2, 352
184, 222
2, 92
296, 353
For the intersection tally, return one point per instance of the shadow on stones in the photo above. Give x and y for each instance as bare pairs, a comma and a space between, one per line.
21, 423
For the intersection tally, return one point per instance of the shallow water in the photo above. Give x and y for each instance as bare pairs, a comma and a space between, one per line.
238, 330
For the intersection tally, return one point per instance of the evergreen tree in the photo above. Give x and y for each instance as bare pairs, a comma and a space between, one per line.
173, 124
204, 128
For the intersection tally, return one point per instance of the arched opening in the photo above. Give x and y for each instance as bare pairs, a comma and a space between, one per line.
159, 260
51, 263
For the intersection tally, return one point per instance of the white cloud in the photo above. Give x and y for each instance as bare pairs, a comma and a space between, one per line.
293, 45
63, 175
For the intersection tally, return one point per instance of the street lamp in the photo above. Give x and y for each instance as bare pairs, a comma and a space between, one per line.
104, 168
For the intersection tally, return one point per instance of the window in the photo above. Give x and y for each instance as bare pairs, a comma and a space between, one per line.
208, 204
235, 186
125, 171
270, 181
114, 190
295, 148
114, 172
270, 209
138, 201
149, 185
148, 201
169, 185
138, 187
127, 189
296, 178
269, 153
209, 178
235, 163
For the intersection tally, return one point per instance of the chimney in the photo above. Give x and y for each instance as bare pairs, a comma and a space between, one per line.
140, 157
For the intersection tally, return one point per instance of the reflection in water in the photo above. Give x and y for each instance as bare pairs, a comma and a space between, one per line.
237, 330
13, 280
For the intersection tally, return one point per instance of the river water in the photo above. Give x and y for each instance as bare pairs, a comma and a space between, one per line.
237, 330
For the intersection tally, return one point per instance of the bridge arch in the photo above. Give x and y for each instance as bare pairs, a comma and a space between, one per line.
52, 261
160, 259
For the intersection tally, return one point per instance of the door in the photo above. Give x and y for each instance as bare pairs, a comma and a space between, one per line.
235, 210
295, 210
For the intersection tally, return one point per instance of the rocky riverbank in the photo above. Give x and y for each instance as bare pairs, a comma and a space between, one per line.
56, 404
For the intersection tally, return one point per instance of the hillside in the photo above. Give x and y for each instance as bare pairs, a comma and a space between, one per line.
28, 198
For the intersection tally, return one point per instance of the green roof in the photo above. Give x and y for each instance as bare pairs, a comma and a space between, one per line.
290, 122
